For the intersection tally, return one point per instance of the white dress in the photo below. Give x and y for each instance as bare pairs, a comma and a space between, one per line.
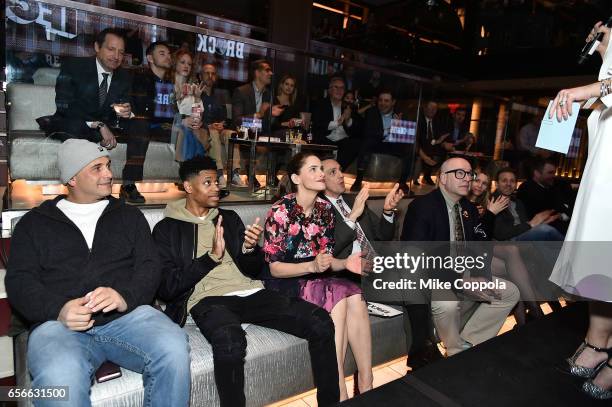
584, 266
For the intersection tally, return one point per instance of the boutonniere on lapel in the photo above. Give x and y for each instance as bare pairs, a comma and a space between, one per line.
466, 215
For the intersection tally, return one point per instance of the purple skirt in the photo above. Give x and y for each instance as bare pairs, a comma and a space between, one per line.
327, 292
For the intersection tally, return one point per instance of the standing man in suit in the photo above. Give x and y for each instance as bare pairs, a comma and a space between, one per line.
253, 99
90, 93
377, 130
430, 147
332, 123
446, 215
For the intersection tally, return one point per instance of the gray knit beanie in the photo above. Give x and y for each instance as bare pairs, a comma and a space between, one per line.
74, 154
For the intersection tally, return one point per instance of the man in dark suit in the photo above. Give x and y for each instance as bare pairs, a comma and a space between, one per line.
356, 225
446, 215
87, 88
91, 93
354, 220
253, 99
542, 192
513, 223
458, 132
430, 139
332, 123
376, 133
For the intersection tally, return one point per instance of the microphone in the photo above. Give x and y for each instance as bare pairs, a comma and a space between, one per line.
590, 47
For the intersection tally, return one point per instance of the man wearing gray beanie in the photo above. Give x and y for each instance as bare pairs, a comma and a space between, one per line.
83, 272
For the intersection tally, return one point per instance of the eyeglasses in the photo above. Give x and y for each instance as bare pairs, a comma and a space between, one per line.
460, 174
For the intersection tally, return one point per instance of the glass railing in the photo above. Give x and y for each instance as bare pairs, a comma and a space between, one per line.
41, 35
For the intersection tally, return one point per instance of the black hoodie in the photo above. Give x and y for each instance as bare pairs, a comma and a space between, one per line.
51, 264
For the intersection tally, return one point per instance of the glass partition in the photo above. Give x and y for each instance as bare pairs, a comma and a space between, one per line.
41, 36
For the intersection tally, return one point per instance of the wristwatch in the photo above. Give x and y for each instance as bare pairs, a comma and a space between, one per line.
390, 211
100, 125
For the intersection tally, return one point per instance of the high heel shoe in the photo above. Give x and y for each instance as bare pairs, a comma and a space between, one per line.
582, 371
594, 390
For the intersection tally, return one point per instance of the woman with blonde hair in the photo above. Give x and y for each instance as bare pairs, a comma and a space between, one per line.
188, 137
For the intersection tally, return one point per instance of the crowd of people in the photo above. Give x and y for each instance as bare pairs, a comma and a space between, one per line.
88, 296
173, 100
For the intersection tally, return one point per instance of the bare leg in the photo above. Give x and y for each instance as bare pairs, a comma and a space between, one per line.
519, 275
360, 339
338, 315
599, 335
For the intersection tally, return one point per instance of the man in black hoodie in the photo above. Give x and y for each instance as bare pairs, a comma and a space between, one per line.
83, 270
209, 261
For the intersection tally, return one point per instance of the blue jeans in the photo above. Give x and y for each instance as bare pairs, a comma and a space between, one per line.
543, 232
144, 340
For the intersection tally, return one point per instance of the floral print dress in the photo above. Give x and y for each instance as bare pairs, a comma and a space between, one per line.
292, 237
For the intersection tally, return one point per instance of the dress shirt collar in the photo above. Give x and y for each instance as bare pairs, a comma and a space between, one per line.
101, 70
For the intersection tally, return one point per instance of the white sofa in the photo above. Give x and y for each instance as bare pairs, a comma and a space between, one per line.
277, 364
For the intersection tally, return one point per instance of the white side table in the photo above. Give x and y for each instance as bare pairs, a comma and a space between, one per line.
7, 368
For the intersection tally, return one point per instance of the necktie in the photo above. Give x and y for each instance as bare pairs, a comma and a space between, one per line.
458, 232
429, 130
102, 90
366, 247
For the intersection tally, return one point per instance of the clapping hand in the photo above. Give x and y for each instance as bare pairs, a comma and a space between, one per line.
359, 204
393, 198
354, 263
322, 262
251, 234
218, 248
495, 206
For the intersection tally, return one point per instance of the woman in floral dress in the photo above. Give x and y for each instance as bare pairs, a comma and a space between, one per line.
299, 242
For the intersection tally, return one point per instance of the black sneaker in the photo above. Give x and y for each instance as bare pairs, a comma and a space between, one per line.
130, 194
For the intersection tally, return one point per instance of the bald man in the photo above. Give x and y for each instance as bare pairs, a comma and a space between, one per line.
446, 215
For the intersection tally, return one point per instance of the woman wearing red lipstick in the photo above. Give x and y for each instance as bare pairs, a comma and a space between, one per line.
298, 244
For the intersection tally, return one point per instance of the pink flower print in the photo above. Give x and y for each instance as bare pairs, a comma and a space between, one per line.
294, 229
280, 215
310, 230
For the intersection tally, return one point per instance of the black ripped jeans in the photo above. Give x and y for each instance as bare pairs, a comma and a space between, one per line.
219, 320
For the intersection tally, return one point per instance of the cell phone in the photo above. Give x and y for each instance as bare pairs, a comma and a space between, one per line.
107, 371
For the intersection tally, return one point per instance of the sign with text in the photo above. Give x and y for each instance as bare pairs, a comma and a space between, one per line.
402, 131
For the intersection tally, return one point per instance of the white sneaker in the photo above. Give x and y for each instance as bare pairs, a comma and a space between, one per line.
237, 181
222, 182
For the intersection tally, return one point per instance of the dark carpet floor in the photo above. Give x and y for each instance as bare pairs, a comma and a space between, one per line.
523, 367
